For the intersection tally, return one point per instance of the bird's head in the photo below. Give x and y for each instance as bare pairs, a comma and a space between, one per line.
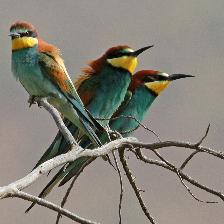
155, 81
23, 35
124, 57
121, 57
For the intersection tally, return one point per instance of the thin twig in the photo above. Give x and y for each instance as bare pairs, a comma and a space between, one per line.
58, 120
187, 160
75, 153
64, 200
187, 145
133, 118
14, 189
129, 131
181, 179
182, 174
121, 186
135, 188
203, 137
50, 205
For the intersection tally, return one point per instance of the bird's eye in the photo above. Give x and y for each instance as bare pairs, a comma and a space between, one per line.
114, 55
148, 79
25, 34
117, 54
28, 33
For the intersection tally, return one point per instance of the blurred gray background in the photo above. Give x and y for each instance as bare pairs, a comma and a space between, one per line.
188, 38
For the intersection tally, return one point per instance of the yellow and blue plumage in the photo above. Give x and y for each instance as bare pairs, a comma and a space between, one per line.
41, 70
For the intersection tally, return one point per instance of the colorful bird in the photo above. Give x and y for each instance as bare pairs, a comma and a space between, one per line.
41, 71
102, 89
145, 86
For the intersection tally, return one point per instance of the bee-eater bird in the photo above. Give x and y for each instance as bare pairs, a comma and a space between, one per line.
102, 88
145, 86
41, 70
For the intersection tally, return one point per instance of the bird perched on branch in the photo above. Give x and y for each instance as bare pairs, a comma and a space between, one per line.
41, 70
102, 88
145, 86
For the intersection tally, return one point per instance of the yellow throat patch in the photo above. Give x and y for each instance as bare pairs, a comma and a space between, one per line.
24, 42
128, 63
157, 87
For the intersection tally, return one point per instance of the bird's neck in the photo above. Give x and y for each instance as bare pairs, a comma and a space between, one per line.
22, 60
25, 55
23, 43
134, 112
113, 74
141, 101
112, 84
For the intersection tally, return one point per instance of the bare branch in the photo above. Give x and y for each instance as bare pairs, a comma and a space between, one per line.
133, 118
204, 137
181, 179
121, 186
135, 188
58, 120
14, 189
50, 205
64, 200
159, 145
181, 173
140, 124
70, 156
187, 160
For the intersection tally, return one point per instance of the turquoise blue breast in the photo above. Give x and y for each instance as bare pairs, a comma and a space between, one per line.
110, 89
26, 69
137, 107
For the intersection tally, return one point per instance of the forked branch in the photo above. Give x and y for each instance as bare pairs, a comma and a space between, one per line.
15, 188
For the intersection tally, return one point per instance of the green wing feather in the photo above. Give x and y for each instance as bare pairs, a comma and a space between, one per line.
57, 73
123, 105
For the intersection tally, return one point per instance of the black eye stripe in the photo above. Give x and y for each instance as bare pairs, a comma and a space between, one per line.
24, 34
118, 54
153, 78
27, 34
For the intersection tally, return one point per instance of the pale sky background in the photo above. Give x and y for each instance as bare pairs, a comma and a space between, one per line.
188, 38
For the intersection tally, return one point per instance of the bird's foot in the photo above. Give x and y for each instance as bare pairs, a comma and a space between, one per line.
33, 100
115, 135
107, 158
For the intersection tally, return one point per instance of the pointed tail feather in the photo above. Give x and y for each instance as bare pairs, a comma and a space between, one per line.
58, 146
76, 166
81, 163
99, 127
90, 124
91, 133
52, 151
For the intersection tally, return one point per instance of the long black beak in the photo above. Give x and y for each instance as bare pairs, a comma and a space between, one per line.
139, 51
178, 76
14, 34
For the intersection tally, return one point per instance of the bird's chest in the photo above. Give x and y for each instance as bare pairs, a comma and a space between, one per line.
115, 88
26, 69
111, 93
140, 103
136, 109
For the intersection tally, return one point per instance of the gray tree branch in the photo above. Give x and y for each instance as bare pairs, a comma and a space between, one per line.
14, 189
50, 205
